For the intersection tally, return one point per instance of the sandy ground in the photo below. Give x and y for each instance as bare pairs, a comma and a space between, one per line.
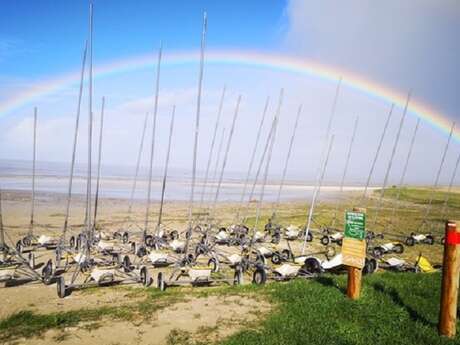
203, 319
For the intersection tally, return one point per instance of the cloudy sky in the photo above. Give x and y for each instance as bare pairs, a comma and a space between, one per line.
402, 46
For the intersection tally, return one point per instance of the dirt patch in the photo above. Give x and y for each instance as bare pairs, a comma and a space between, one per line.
43, 299
197, 320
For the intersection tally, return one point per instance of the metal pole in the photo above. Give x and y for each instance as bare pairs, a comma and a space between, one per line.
211, 150
2, 230
345, 170
227, 150
286, 163
90, 124
197, 129
251, 162
315, 194
377, 153
165, 175
219, 151
74, 149
390, 162
34, 158
99, 158
138, 164
152, 148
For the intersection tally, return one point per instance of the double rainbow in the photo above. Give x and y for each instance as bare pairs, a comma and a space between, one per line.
241, 58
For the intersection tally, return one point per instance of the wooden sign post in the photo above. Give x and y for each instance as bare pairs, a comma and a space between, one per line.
354, 250
450, 276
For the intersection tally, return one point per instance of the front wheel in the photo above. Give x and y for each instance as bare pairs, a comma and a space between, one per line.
410, 241
325, 240
161, 282
145, 276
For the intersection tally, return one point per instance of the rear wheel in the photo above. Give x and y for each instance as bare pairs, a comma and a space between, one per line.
62, 290
276, 259
47, 272
174, 235
325, 240
398, 248
161, 282
312, 265
145, 276
213, 264
430, 240
410, 241
286, 254
259, 276
125, 237
377, 252
127, 264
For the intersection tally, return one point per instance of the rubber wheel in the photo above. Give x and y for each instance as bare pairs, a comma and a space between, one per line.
47, 272
61, 288
312, 265
259, 277
238, 277
161, 282
133, 248
174, 235
398, 248
32, 260
276, 238
115, 258
72, 242
127, 264
377, 252
286, 254
309, 237
26, 241
340, 242
276, 259
145, 276
149, 241
213, 264
325, 240
19, 247
410, 241
125, 237
430, 240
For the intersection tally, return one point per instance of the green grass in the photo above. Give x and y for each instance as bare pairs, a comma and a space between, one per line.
421, 196
393, 309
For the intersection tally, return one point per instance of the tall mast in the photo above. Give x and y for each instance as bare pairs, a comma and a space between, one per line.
253, 156
2, 230
286, 163
90, 123
451, 182
227, 149
211, 150
165, 175
377, 153
34, 158
345, 170
138, 164
152, 148
197, 129
99, 158
219, 153
316, 192
74, 148
390, 162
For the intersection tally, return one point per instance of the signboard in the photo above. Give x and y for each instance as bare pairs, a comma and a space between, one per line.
353, 252
354, 246
355, 225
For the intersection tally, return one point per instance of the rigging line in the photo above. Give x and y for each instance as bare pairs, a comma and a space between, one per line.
152, 147
403, 175
438, 174
251, 162
345, 170
211, 150
165, 175
74, 148
264, 153
390, 162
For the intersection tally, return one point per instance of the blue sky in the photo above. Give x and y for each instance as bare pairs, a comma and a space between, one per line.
402, 45
45, 37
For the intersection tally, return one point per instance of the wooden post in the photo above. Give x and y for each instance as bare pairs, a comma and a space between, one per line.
450, 275
354, 274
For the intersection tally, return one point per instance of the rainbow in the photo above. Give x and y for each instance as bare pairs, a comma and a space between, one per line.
243, 58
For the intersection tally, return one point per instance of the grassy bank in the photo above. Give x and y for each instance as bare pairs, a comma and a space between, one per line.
394, 309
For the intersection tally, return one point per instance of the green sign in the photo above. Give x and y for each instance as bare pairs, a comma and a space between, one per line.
355, 225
